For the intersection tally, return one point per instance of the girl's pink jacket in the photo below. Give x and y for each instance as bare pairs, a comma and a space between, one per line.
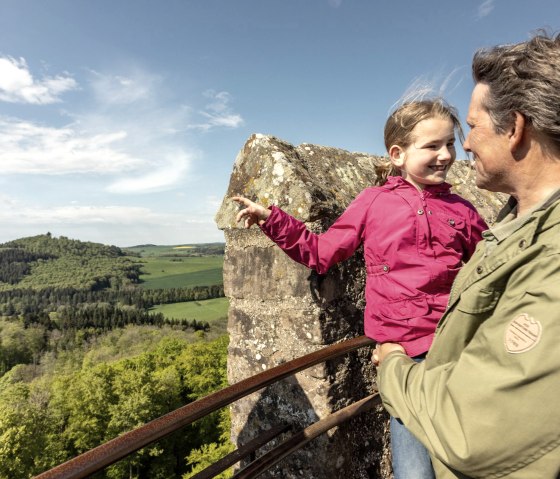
414, 245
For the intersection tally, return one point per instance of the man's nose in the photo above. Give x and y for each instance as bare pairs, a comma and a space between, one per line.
466, 144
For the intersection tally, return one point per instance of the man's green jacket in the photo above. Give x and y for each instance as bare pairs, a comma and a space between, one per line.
486, 401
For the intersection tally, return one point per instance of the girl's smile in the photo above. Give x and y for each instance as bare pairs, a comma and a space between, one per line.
428, 159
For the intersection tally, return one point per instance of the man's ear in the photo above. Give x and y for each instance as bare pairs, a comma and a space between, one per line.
517, 133
396, 154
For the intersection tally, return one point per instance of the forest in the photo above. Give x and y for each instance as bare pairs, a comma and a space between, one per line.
84, 359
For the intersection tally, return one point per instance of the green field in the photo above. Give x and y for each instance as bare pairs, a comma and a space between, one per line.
209, 310
160, 272
183, 267
214, 311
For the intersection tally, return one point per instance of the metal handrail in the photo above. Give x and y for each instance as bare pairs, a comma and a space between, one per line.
243, 451
298, 440
110, 452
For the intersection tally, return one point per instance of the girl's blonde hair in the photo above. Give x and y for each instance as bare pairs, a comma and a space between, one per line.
401, 123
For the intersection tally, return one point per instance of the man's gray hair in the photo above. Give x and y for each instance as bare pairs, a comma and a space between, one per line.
524, 78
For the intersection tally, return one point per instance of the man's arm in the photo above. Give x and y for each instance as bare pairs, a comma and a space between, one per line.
494, 409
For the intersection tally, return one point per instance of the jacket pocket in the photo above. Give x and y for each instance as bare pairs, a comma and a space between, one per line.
453, 222
475, 301
404, 309
450, 229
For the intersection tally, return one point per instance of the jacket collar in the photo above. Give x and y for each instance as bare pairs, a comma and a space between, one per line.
508, 222
397, 182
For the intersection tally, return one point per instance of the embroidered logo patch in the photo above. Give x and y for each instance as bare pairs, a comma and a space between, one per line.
522, 334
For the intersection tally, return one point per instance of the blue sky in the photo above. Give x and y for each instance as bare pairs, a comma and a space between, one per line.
120, 120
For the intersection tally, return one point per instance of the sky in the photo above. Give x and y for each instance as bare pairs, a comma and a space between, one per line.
120, 120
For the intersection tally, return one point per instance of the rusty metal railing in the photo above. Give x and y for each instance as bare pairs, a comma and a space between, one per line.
110, 452
299, 439
247, 449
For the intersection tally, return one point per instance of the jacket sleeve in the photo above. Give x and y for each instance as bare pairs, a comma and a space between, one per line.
493, 411
320, 251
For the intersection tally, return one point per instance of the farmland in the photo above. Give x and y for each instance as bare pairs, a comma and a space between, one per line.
160, 272
185, 266
212, 311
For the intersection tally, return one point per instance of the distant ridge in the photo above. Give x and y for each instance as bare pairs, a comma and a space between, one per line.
44, 261
151, 245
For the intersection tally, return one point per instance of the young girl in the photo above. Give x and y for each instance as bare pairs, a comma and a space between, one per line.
416, 235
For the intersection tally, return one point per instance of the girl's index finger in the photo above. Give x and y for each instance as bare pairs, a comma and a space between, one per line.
242, 200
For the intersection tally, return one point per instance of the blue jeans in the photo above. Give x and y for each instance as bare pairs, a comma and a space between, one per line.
410, 458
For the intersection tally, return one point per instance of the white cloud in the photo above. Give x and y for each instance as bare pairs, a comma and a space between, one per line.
218, 112
17, 84
123, 89
84, 215
229, 121
26, 147
138, 90
335, 3
166, 174
19, 213
117, 135
7, 203
485, 8
130, 135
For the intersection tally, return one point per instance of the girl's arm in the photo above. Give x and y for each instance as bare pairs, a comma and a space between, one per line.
316, 251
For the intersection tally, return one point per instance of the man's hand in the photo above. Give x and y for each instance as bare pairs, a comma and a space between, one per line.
382, 350
253, 213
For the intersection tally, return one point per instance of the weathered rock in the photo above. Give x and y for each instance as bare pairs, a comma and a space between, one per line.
280, 310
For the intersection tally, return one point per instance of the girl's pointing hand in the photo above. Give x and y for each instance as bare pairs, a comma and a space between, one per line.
252, 213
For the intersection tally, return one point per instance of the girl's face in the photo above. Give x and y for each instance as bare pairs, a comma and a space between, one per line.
430, 155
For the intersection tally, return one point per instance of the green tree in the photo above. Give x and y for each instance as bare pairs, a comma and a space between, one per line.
24, 428
210, 453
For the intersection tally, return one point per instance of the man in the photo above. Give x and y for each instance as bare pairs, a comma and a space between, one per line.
486, 401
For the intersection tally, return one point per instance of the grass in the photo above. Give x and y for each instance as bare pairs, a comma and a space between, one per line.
214, 311
162, 272
167, 267
207, 310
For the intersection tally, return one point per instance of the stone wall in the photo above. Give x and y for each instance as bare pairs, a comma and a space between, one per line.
280, 310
